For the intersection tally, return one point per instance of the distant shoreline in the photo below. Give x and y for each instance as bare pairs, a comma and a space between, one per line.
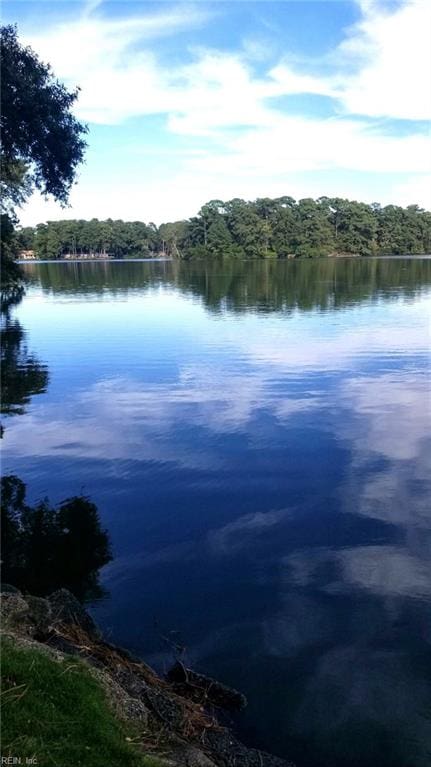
87, 260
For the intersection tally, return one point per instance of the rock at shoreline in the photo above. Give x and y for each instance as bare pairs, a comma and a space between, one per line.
67, 610
205, 690
182, 723
39, 617
227, 750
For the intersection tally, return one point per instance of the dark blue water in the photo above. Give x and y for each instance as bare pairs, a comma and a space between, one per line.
257, 439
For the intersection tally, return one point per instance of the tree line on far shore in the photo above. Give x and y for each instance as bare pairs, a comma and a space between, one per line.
43, 144
88, 238
264, 228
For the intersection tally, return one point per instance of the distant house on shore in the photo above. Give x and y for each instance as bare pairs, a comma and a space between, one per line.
87, 256
29, 255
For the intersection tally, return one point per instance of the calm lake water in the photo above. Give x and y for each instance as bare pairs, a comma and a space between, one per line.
257, 439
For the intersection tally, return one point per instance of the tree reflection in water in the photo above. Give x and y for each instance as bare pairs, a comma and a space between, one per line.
46, 548
43, 548
22, 375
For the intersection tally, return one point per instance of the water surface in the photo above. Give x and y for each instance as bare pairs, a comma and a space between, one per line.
257, 439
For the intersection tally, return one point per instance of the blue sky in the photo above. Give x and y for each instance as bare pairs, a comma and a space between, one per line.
188, 102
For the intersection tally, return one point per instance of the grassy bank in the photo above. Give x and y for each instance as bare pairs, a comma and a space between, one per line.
56, 711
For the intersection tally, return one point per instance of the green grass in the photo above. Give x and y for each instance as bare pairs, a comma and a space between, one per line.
58, 713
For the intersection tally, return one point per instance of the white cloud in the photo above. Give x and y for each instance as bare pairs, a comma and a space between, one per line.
381, 68
393, 414
345, 351
290, 82
386, 571
237, 534
415, 190
120, 78
140, 419
117, 81
397, 411
394, 57
293, 144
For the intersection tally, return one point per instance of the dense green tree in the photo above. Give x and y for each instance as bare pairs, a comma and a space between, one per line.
207, 233
250, 231
89, 238
171, 237
313, 235
25, 238
284, 227
53, 243
354, 225
404, 230
42, 143
38, 128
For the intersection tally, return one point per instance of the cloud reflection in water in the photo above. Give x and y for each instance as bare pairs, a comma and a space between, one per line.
268, 496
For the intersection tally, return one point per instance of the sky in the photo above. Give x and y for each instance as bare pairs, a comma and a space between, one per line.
189, 102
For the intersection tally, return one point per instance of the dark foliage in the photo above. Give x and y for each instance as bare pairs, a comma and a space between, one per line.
41, 141
11, 276
22, 375
11, 295
46, 548
38, 127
